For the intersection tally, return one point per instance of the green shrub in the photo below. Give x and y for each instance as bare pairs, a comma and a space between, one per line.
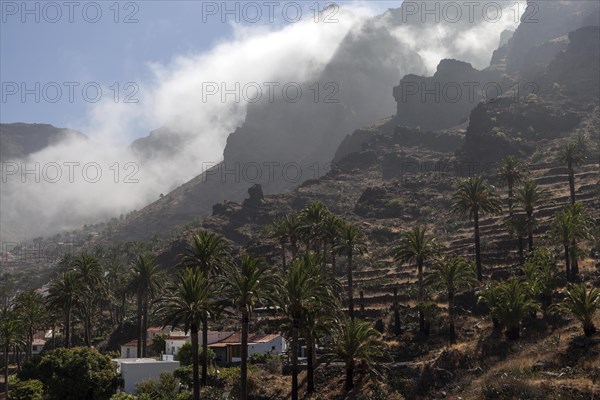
184, 356
80, 372
31, 389
124, 396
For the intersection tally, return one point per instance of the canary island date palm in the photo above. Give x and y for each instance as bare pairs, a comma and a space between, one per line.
571, 156
416, 246
29, 306
529, 196
331, 232
452, 274
304, 286
511, 303
511, 171
584, 227
475, 197
518, 226
64, 294
312, 217
582, 304
245, 284
351, 243
11, 330
188, 303
542, 276
357, 343
208, 252
569, 226
91, 275
146, 281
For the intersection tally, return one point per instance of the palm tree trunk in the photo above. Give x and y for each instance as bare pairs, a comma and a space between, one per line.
510, 199
574, 262
350, 287
139, 325
567, 262
451, 316
68, 327
145, 327
530, 230
244, 366
349, 377
195, 375
205, 349
521, 255
421, 294
283, 261
54, 336
6, 351
572, 183
295, 329
477, 245
310, 367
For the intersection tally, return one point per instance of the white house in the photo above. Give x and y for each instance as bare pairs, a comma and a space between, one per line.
175, 340
137, 370
129, 349
229, 350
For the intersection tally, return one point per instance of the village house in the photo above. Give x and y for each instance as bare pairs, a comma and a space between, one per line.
229, 350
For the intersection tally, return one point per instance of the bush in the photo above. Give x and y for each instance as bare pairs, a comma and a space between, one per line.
165, 389
31, 389
184, 356
81, 372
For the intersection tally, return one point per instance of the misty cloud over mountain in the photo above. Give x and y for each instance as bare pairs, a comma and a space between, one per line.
355, 63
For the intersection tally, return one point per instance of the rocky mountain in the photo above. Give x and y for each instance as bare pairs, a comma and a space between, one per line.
20, 139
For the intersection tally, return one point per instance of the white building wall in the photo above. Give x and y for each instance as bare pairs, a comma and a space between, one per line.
137, 372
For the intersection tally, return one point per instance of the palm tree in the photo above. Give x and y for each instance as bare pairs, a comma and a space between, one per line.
303, 287
91, 275
582, 304
416, 246
331, 232
29, 306
452, 274
351, 243
146, 282
571, 156
518, 225
313, 216
490, 294
10, 330
189, 303
542, 276
530, 197
357, 343
513, 302
583, 225
207, 252
511, 172
279, 232
245, 285
474, 197
64, 294
569, 226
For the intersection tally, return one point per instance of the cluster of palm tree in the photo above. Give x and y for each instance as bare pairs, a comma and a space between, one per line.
303, 292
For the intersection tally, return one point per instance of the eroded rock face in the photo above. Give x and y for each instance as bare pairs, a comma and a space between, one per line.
443, 100
575, 71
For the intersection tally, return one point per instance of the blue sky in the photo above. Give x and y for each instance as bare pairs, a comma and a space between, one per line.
106, 52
